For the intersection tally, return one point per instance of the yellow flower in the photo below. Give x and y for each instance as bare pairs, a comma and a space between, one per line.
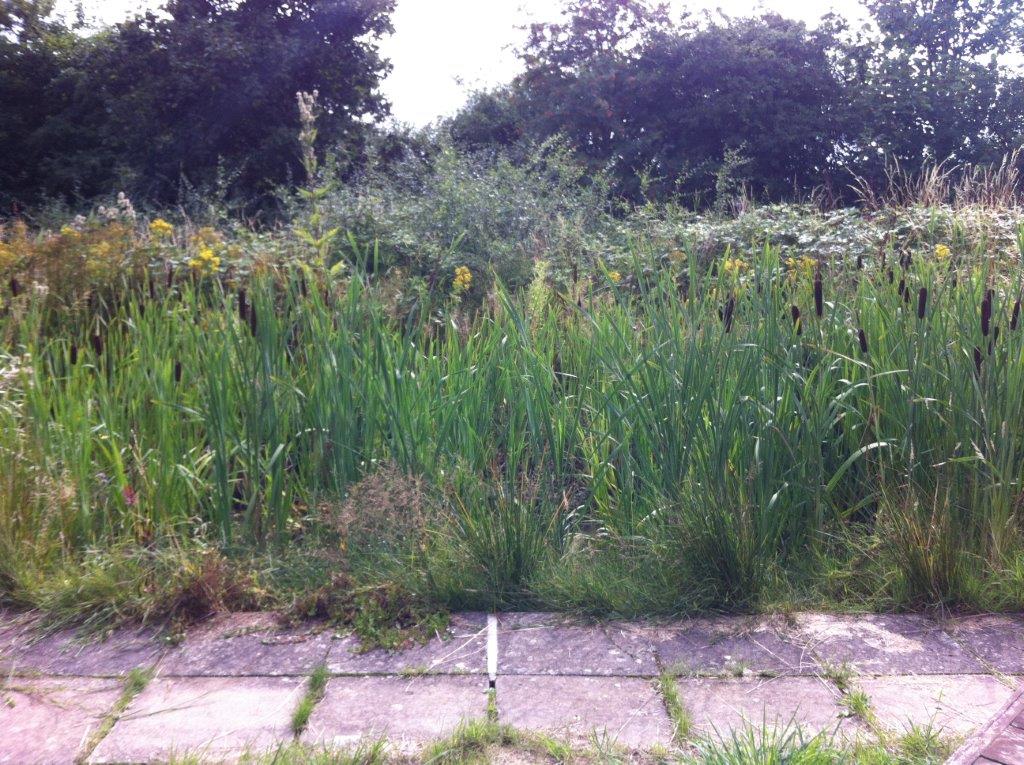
463, 279
68, 231
804, 265
942, 252
615, 276
161, 229
733, 267
206, 262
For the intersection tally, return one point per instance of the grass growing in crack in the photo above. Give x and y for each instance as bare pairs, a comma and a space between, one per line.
682, 723
315, 689
476, 742
841, 674
768, 745
134, 683
370, 753
858, 704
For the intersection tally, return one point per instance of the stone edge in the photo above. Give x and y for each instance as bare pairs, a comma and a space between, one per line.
970, 751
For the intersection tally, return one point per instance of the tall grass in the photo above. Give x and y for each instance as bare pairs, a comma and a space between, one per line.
697, 439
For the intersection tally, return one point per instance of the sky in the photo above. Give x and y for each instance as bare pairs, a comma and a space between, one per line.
444, 49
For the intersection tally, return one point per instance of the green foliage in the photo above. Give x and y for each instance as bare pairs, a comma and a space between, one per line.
200, 90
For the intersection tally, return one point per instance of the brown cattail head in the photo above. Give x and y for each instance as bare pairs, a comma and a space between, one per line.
922, 302
15, 287
863, 339
177, 371
152, 288
794, 311
977, 360
1016, 315
860, 262
97, 343
901, 287
819, 296
986, 313
74, 354
891, 276
727, 312
243, 305
253, 325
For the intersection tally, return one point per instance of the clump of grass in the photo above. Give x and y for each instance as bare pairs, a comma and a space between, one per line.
768, 745
134, 683
315, 689
682, 723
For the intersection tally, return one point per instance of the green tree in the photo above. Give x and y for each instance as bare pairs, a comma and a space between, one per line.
207, 87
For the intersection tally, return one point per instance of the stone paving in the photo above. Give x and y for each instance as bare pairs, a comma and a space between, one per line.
232, 684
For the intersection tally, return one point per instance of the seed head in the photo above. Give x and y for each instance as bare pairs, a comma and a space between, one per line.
863, 339
1016, 315
794, 311
922, 302
819, 297
986, 313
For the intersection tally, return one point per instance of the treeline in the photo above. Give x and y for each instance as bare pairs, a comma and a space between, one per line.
202, 95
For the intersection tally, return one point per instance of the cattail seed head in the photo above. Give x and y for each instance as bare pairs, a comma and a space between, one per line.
243, 305
727, 312
860, 262
901, 287
253, 325
794, 311
177, 371
863, 339
819, 296
74, 354
152, 288
922, 302
986, 313
15, 287
1016, 315
891, 276
978, 358
97, 343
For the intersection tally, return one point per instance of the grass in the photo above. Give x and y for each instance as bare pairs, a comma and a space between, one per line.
670, 442
315, 690
134, 683
677, 713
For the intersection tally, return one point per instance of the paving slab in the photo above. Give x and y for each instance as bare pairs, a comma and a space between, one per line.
538, 644
210, 717
627, 710
50, 721
733, 646
68, 654
954, 704
718, 706
247, 645
1007, 749
998, 640
889, 644
408, 712
461, 650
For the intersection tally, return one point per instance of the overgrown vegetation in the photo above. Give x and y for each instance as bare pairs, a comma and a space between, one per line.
670, 413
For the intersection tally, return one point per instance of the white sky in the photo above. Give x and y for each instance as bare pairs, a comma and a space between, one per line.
442, 49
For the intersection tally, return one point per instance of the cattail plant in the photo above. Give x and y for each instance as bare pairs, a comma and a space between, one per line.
986, 313
794, 312
97, 343
1015, 318
819, 297
863, 340
15, 287
922, 302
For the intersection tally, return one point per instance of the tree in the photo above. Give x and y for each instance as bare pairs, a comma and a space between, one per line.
925, 86
208, 87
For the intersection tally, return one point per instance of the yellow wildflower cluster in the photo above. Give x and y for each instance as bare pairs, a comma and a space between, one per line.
733, 267
463, 279
802, 266
161, 229
942, 252
615, 276
206, 262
